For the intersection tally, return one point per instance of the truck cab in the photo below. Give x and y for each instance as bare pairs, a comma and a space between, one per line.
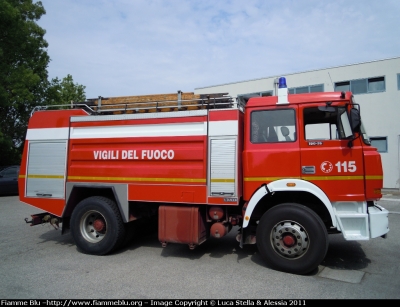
309, 151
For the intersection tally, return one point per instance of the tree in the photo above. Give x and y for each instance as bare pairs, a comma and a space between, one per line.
65, 91
23, 74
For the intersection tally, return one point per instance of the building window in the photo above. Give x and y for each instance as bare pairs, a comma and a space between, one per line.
376, 84
398, 82
307, 89
316, 88
380, 143
362, 86
359, 86
342, 86
301, 90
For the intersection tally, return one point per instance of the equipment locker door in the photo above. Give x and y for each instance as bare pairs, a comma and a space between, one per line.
46, 169
223, 163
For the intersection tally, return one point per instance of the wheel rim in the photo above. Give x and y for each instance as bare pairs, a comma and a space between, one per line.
93, 226
289, 239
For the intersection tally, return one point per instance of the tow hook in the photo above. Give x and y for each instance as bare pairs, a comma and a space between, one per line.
42, 218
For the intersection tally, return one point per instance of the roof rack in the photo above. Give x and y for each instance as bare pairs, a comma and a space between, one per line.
149, 103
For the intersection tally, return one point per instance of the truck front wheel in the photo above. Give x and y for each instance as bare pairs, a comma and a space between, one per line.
292, 238
96, 226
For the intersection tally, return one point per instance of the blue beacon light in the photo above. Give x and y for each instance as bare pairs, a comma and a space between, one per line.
282, 82
282, 92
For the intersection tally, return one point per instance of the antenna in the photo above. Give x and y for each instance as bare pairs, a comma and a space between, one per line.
331, 80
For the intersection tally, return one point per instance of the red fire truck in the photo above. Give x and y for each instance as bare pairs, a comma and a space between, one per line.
287, 170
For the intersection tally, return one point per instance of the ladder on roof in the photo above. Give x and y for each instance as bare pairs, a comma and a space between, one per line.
149, 103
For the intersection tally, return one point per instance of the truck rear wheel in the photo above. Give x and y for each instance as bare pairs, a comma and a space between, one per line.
96, 226
292, 238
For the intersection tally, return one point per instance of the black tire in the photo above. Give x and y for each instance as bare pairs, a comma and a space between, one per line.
96, 226
292, 238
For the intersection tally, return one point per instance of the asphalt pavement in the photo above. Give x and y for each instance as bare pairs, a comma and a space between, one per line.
39, 263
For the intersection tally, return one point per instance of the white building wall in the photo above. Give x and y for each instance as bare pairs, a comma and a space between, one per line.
380, 111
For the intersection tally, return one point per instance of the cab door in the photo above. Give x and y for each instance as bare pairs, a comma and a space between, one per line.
271, 149
328, 158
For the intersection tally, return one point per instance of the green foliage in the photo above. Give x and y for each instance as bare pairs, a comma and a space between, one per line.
23, 75
65, 91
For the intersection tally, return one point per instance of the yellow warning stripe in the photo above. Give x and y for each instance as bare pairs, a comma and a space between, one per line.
222, 180
311, 178
268, 178
374, 177
333, 178
42, 176
136, 179
93, 178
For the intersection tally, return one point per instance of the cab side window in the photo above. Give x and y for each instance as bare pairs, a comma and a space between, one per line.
325, 125
273, 126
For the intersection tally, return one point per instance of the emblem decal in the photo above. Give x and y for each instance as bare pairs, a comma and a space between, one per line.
326, 167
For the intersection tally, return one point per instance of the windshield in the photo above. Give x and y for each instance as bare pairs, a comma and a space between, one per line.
363, 132
364, 135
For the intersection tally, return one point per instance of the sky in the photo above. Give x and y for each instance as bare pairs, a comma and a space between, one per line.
140, 47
